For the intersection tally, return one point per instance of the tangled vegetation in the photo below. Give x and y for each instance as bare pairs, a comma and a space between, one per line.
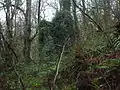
78, 49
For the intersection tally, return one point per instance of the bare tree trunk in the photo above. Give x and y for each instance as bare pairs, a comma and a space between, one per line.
9, 34
106, 13
39, 12
39, 27
8, 21
84, 24
75, 23
1, 43
6, 53
16, 3
27, 32
84, 8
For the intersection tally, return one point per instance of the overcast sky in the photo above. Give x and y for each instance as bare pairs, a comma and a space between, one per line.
49, 11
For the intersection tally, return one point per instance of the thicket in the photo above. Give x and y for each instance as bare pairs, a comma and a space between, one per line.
78, 49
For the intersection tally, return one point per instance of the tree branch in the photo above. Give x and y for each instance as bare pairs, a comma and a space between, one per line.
90, 18
60, 59
14, 65
58, 66
17, 7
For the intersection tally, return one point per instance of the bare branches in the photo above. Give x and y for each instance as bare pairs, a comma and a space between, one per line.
9, 46
90, 18
2, 3
20, 79
14, 64
17, 7
39, 18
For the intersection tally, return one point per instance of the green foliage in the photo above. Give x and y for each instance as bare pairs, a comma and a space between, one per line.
96, 83
110, 66
95, 45
106, 64
115, 42
44, 32
62, 27
65, 4
111, 63
45, 40
51, 37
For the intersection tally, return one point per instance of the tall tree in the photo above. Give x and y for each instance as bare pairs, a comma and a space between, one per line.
8, 20
75, 22
62, 24
27, 32
39, 11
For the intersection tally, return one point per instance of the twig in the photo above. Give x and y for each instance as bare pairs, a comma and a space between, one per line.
20, 79
60, 59
58, 66
107, 83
